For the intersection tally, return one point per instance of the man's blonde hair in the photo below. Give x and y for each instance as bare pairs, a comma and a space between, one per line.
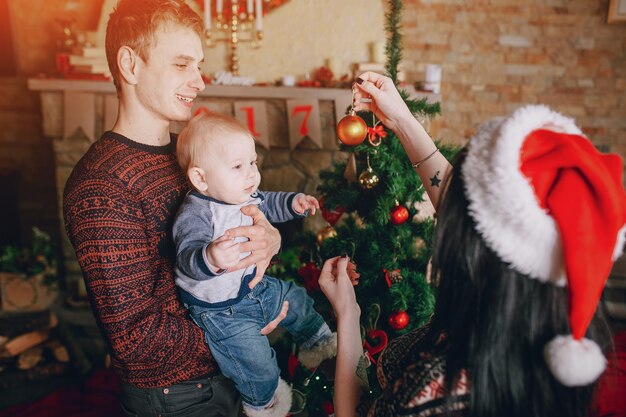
134, 23
193, 140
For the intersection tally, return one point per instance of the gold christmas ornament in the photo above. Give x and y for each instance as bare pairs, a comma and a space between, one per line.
368, 179
325, 233
351, 129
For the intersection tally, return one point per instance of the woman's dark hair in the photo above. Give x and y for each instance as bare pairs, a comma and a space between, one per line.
494, 322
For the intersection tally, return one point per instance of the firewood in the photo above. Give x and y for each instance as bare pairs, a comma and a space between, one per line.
3, 340
30, 358
59, 351
25, 341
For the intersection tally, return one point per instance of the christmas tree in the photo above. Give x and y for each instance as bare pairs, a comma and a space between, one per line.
377, 213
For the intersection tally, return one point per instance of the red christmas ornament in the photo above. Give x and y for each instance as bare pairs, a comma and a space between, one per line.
292, 365
331, 216
399, 214
328, 407
398, 320
311, 275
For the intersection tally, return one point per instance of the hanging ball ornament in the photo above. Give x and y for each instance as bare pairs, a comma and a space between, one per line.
351, 129
398, 320
399, 214
368, 179
325, 233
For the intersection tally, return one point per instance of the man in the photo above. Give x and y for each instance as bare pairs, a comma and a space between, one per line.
119, 205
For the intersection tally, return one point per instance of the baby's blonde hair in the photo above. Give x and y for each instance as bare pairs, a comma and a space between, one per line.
191, 145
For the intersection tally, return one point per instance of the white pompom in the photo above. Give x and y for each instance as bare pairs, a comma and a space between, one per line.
574, 363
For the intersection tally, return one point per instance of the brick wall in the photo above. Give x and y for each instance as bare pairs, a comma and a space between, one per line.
499, 54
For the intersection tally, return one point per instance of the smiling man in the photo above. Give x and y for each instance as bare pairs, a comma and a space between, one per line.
119, 205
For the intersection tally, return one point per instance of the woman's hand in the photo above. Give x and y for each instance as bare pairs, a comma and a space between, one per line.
263, 243
337, 280
336, 283
386, 102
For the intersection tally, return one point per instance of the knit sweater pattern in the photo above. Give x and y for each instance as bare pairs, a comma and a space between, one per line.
119, 205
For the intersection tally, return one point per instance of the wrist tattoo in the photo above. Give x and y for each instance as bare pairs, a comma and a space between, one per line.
434, 180
361, 372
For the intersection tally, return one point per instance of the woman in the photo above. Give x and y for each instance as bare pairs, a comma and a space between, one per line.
530, 223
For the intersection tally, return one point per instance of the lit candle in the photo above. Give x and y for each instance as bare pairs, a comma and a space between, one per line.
250, 8
219, 7
259, 15
207, 15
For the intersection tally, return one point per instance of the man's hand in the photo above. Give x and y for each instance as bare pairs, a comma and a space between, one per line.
263, 243
274, 323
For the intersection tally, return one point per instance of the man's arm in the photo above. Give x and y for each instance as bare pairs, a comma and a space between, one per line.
126, 279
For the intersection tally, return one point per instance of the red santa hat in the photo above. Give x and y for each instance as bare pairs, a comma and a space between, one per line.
554, 208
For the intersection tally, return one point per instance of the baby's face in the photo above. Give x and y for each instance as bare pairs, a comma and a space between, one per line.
231, 169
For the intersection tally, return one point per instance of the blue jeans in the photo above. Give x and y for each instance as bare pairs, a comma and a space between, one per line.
204, 397
242, 352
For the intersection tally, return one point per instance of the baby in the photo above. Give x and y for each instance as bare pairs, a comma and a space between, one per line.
218, 155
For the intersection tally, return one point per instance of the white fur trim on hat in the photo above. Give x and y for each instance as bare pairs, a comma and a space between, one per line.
324, 349
281, 403
573, 362
619, 245
501, 200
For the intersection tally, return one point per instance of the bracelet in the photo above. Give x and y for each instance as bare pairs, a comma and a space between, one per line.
418, 163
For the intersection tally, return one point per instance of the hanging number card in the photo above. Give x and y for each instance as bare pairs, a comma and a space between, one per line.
253, 114
304, 122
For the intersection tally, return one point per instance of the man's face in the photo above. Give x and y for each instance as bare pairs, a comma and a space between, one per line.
231, 169
170, 80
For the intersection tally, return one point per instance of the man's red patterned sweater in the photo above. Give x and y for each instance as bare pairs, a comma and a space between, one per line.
119, 204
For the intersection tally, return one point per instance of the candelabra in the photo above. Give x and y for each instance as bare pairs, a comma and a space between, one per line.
235, 23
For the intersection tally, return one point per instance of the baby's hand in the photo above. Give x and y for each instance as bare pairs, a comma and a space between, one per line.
302, 203
223, 253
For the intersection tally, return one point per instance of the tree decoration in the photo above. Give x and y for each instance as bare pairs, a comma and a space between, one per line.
376, 133
375, 342
393, 276
311, 274
350, 173
398, 320
351, 129
329, 409
327, 232
368, 178
332, 216
399, 214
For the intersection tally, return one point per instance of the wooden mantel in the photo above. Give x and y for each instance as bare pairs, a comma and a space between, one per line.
340, 96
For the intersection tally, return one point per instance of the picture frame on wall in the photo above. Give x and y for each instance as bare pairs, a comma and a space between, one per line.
617, 11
